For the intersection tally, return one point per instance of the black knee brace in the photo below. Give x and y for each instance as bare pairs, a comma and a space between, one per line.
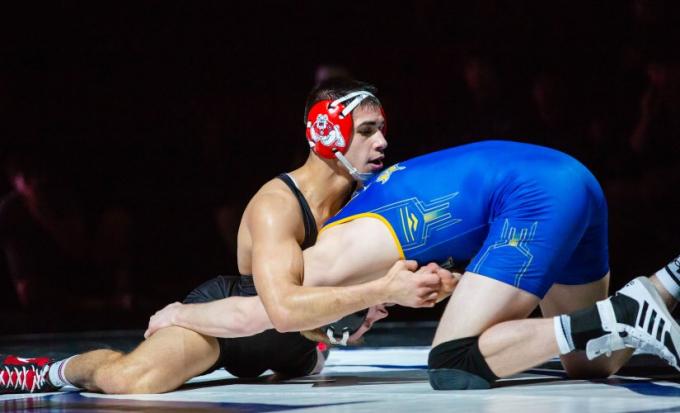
459, 365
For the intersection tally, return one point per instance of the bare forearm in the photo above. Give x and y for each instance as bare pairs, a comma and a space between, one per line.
303, 308
296, 308
228, 317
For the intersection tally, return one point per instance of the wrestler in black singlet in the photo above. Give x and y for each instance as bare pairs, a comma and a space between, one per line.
289, 354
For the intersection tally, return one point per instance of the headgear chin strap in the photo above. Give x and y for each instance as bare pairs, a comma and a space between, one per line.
330, 128
340, 331
358, 176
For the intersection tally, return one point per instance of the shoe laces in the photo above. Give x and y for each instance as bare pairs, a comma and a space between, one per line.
19, 378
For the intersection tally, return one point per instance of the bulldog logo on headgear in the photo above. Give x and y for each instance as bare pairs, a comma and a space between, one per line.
324, 131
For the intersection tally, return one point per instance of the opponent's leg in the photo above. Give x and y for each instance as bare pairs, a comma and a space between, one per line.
637, 316
460, 357
506, 347
163, 362
477, 303
667, 283
566, 299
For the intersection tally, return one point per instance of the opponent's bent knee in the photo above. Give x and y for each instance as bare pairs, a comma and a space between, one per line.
459, 365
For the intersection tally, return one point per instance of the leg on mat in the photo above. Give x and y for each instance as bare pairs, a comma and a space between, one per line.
163, 362
473, 334
566, 299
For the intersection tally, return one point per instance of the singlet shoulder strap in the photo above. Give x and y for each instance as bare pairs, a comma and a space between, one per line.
311, 231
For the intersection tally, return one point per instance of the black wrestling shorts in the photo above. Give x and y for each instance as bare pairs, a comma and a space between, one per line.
288, 354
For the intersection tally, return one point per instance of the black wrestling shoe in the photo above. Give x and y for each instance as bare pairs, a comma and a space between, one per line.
24, 375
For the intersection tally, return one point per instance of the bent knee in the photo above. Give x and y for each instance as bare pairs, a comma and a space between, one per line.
459, 365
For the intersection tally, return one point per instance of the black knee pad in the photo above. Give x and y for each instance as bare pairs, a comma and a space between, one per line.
459, 365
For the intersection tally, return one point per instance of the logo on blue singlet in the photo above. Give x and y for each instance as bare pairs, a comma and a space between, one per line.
513, 245
415, 220
387, 173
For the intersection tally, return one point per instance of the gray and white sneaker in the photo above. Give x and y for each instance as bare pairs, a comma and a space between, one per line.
636, 317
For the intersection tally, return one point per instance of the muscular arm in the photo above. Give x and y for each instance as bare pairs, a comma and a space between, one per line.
353, 253
278, 269
228, 317
278, 272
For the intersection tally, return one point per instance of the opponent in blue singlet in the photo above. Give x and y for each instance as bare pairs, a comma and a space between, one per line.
523, 214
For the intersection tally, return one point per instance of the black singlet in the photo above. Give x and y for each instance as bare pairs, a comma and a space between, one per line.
289, 354
311, 232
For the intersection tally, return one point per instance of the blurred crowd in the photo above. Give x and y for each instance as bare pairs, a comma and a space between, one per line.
118, 202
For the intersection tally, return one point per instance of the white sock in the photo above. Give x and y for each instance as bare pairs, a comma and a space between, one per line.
56, 373
562, 326
669, 276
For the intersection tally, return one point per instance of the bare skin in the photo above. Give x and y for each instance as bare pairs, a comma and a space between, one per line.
509, 342
271, 232
247, 315
373, 253
162, 363
269, 239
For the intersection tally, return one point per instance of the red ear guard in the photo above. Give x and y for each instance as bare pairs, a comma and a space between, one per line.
329, 124
327, 130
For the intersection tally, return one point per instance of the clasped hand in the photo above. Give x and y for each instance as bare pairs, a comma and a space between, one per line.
410, 286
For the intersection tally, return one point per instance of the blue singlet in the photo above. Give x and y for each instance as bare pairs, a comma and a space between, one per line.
522, 214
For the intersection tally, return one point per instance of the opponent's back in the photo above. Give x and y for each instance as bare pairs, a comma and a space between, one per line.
440, 205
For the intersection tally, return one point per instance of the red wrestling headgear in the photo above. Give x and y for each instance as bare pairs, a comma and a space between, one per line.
329, 124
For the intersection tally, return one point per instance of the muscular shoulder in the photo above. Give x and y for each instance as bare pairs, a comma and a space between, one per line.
274, 210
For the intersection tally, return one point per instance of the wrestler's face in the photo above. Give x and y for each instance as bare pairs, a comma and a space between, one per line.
375, 313
367, 149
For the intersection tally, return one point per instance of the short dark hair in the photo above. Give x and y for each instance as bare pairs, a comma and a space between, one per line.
336, 88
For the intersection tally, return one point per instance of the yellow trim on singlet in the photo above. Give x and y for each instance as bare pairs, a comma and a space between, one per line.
370, 215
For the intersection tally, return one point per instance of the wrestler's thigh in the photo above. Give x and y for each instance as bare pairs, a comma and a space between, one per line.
170, 357
479, 302
563, 299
